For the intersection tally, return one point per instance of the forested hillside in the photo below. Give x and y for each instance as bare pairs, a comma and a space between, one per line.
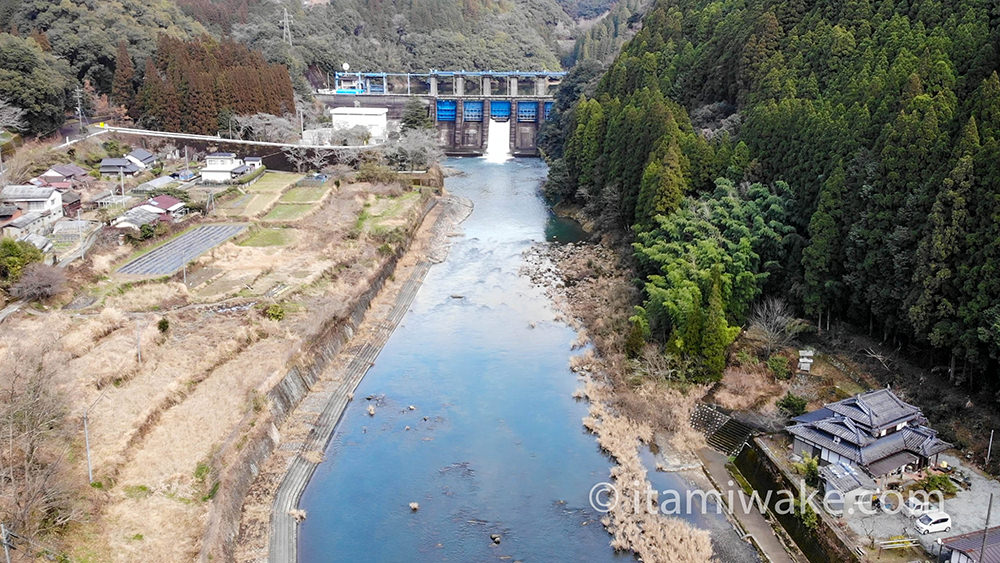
842, 155
408, 36
196, 86
604, 39
86, 33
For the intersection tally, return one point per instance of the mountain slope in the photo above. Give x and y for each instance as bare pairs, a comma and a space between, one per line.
884, 120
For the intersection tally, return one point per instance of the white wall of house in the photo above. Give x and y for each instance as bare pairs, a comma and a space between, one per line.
136, 161
219, 169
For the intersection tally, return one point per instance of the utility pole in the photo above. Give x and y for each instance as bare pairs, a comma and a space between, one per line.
989, 450
86, 435
79, 108
986, 529
121, 178
286, 28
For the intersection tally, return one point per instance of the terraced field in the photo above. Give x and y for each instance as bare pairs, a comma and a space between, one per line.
288, 212
172, 256
303, 195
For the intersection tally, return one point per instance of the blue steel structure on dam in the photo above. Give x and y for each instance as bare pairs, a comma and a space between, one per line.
460, 102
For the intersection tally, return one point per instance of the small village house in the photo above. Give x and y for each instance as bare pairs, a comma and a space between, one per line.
168, 205
160, 209
969, 548
71, 204
38, 241
223, 167
34, 222
876, 431
119, 166
142, 158
135, 218
62, 174
844, 485
8, 212
33, 199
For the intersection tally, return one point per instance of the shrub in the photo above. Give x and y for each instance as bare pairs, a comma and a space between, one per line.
163, 325
792, 404
937, 482
635, 340
809, 469
746, 359
275, 312
376, 173
778, 365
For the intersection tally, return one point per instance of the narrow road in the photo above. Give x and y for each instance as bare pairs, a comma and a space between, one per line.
752, 521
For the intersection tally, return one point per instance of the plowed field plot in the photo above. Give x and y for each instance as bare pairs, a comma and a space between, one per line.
167, 259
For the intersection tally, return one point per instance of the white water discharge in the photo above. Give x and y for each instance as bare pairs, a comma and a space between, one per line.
498, 142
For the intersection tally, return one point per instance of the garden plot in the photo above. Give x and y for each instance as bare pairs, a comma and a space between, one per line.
304, 195
261, 195
172, 256
288, 212
274, 182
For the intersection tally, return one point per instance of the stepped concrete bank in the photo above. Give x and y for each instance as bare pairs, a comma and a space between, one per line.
239, 459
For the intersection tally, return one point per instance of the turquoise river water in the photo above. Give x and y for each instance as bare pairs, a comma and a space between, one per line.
495, 444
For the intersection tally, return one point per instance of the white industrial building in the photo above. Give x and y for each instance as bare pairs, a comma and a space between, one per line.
375, 120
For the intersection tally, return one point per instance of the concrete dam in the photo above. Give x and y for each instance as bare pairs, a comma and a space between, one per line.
462, 104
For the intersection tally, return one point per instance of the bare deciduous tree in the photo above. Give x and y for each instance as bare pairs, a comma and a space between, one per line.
39, 281
319, 159
297, 156
36, 495
773, 326
11, 117
266, 127
415, 149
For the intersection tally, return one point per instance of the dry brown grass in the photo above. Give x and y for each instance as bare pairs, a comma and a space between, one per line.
149, 296
742, 388
84, 337
626, 411
651, 536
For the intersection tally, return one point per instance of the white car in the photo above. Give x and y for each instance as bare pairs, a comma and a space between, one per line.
914, 507
933, 522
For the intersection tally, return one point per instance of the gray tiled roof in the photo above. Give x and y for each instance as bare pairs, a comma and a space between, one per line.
889, 464
26, 193
877, 409
845, 477
69, 170
811, 435
116, 164
142, 155
971, 544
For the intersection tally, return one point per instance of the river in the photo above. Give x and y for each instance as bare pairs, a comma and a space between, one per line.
494, 443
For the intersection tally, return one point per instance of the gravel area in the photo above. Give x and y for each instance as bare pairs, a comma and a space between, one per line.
967, 510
